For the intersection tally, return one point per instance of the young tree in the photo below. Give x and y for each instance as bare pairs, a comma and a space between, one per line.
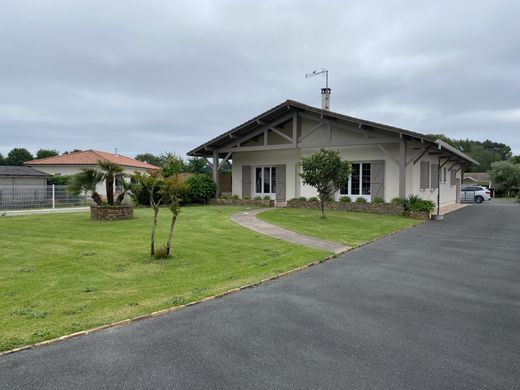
152, 182
173, 189
43, 153
18, 156
86, 181
505, 175
172, 165
110, 170
326, 172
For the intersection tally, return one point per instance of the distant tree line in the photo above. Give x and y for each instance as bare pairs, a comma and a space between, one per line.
191, 165
18, 156
486, 152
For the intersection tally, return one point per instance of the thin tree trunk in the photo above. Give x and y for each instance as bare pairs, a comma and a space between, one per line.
119, 199
154, 226
97, 199
322, 205
110, 189
170, 236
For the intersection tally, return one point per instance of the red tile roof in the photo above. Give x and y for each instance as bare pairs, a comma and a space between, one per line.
90, 157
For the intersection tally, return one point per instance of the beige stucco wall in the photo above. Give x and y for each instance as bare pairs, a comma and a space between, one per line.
360, 153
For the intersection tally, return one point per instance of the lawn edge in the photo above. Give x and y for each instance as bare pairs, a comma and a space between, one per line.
172, 309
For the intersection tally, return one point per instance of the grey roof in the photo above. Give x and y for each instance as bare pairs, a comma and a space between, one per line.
455, 151
16, 171
282, 108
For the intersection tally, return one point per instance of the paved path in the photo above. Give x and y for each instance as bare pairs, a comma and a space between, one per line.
433, 307
249, 220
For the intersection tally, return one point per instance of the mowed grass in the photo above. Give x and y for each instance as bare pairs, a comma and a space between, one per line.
348, 228
63, 273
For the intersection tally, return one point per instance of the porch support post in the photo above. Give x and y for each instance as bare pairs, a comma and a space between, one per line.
215, 172
402, 169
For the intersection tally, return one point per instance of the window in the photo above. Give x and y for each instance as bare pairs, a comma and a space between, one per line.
265, 181
425, 175
359, 183
435, 176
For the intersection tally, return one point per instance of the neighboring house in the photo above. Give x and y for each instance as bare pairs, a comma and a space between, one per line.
387, 161
20, 186
478, 178
72, 163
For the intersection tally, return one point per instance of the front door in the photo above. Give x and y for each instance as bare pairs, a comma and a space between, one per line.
265, 182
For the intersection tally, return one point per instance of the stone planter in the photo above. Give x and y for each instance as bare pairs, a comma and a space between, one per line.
423, 215
242, 202
111, 213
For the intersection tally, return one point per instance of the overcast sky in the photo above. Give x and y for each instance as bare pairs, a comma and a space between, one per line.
157, 76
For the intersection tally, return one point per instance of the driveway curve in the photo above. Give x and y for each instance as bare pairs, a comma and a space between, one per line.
249, 220
433, 307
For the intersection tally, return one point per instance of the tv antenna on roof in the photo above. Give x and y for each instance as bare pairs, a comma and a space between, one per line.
317, 72
325, 92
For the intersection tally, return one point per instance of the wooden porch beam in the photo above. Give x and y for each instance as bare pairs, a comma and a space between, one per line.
224, 160
281, 134
420, 155
385, 151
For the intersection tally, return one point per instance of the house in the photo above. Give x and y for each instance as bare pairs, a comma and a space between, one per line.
22, 187
73, 163
478, 178
387, 161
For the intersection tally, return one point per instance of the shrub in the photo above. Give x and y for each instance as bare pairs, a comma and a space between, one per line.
225, 197
397, 201
313, 199
518, 197
415, 203
302, 198
378, 200
246, 198
257, 198
361, 201
235, 197
267, 197
345, 199
200, 188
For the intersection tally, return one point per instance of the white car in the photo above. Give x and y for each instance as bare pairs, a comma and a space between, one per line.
477, 194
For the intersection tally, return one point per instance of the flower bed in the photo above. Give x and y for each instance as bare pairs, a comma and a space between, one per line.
111, 213
242, 202
380, 208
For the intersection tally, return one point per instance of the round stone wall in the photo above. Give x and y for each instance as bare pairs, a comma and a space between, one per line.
111, 213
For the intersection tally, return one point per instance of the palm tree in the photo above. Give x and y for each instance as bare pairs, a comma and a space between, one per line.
87, 181
110, 170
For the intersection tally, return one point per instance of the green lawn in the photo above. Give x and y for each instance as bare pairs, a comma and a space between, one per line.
63, 273
348, 228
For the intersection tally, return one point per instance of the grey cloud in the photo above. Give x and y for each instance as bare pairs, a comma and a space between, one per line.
166, 76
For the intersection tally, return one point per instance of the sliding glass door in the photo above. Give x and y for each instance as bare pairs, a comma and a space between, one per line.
265, 182
358, 186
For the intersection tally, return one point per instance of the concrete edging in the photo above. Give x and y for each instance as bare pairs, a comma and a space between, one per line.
172, 309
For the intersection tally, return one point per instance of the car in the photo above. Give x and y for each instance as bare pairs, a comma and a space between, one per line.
477, 194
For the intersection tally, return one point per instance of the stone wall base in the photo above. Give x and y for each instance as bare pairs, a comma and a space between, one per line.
111, 213
242, 202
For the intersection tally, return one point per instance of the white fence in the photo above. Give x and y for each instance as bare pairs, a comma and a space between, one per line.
16, 197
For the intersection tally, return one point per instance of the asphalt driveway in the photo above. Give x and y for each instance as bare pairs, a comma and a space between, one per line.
433, 307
